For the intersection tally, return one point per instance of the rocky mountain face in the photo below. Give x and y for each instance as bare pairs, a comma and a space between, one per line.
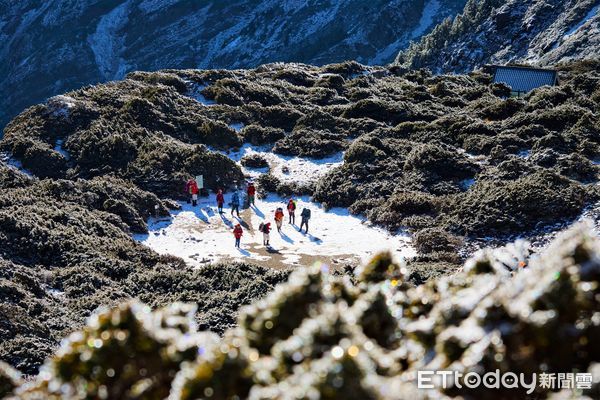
539, 32
50, 46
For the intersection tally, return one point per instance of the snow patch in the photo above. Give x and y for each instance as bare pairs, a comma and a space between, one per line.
14, 164
56, 292
430, 10
236, 126
60, 106
195, 92
287, 168
59, 148
107, 41
588, 16
524, 154
200, 235
467, 183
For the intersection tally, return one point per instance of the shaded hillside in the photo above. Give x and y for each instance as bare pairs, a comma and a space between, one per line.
539, 32
52, 46
320, 336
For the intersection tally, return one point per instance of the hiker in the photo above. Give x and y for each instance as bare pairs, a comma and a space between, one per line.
265, 228
238, 232
235, 203
279, 218
291, 207
251, 193
191, 188
305, 215
220, 201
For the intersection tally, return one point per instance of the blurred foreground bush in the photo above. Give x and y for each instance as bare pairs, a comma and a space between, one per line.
319, 336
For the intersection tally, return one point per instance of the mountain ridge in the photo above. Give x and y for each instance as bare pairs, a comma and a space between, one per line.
541, 33
55, 46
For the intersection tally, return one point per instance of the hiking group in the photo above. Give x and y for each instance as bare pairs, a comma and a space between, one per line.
265, 227
192, 191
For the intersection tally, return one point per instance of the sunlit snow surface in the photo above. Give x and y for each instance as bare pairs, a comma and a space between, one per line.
200, 235
287, 168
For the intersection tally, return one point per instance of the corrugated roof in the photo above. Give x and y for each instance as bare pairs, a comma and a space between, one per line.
523, 79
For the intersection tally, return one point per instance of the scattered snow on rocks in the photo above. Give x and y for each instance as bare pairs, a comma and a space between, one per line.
15, 164
59, 148
195, 93
585, 19
287, 168
60, 106
107, 41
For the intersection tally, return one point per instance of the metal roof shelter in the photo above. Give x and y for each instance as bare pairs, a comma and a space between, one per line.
525, 79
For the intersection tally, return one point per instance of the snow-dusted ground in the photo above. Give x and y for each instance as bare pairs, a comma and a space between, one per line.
59, 148
107, 41
585, 19
195, 92
13, 163
430, 10
200, 235
297, 169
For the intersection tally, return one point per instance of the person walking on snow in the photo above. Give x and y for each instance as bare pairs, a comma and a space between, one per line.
191, 188
279, 218
235, 203
238, 232
305, 215
265, 228
251, 193
220, 201
291, 207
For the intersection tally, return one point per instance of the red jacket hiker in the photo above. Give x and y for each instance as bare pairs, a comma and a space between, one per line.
220, 201
191, 187
291, 207
238, 231
266, 228
279, 215
251, 190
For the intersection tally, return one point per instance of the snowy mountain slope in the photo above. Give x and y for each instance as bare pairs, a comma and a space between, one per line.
50, 46
543, 32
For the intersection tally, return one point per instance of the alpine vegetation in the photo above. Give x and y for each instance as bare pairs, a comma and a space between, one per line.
451, 153
447, 158
331, 337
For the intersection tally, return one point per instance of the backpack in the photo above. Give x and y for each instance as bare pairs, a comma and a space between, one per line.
306, 213
261, 227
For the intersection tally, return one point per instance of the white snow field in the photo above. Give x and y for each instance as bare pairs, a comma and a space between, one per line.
200, 235
286, 168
